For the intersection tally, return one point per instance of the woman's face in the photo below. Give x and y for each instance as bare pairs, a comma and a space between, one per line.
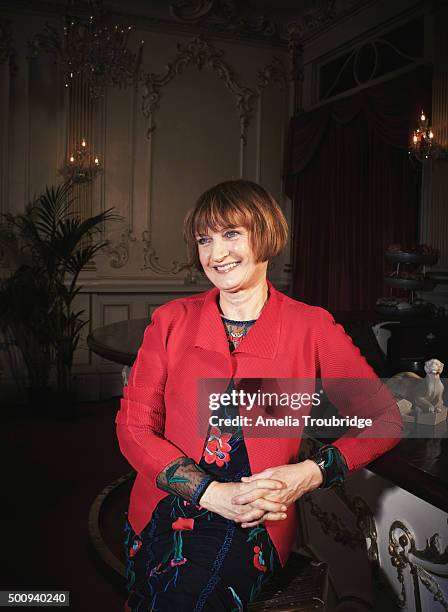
228, 260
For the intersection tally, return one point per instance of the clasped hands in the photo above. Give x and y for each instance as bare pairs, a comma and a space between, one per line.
261, 497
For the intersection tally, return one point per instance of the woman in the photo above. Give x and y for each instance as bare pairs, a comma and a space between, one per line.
212, 517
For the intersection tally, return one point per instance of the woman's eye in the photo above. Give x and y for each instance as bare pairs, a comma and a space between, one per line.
202, 240
231, 234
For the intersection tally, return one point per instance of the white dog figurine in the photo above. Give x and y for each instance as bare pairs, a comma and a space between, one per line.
425, 394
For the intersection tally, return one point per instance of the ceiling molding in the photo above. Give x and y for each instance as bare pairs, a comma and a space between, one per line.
269, 23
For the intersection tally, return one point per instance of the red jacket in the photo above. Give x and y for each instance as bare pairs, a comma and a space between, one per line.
185, 341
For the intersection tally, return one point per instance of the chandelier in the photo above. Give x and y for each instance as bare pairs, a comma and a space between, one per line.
93, 48
81, 166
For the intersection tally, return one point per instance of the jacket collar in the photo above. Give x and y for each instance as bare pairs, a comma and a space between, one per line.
264, 335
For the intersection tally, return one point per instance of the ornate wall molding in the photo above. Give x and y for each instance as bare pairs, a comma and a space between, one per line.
151, 259
191, 11
119, 253
422, 564
225, 16
275, 72
316, 19
233, 17
202, 54
199, 53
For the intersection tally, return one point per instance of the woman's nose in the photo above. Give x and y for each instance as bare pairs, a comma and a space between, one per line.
219, 250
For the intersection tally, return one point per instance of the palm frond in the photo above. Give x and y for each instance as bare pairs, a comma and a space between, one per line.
52, 207
78, 261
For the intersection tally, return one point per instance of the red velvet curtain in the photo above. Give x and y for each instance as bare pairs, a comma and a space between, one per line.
354, 191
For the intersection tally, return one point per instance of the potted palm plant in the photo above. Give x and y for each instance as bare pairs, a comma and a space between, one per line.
61, 244
25, 304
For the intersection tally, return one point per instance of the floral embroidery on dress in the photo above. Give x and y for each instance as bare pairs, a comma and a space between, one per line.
179, 561
136, 545
259, 562
155, 571
217, 447
183, 524
254, 532
237, 600
178, 558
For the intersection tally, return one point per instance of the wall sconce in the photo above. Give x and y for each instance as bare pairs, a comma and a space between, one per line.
423, 145
81, 166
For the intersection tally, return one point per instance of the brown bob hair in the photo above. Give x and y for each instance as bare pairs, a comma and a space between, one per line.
238, 203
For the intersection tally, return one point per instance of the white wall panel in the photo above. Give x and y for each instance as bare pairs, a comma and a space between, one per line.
118, 153
196, 144
113, 313
44, 117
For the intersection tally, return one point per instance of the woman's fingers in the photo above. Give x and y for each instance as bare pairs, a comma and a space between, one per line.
255, 513
250, 515
253, 524
252, 495
261, 475
269, 516
258, 488
265, 483
269, 506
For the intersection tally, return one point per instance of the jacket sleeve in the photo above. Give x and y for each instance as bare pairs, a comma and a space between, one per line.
141, 418
353, 387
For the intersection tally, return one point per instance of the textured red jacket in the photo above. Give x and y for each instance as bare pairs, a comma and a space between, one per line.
186, 341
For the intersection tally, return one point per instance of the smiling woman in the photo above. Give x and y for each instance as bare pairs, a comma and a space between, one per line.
212, 517
231, 234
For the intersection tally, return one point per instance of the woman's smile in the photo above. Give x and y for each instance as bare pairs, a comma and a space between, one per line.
228, 267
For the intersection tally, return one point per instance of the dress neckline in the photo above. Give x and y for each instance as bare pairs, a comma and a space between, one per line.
226, 320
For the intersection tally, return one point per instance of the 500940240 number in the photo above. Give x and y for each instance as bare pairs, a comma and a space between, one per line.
34, 598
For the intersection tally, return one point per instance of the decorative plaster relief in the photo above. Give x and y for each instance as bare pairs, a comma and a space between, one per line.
274, 72
200, 53
151, 259
224, 16
318, 18
191, 12
119, 253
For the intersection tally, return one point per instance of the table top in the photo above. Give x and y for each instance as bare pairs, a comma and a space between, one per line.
419, 466
118, 342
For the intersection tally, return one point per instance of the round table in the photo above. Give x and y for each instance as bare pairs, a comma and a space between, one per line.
118, 342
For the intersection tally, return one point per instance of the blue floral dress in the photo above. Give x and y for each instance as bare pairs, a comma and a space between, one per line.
189, 559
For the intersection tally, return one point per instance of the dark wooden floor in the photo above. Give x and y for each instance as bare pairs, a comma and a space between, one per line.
52, 470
